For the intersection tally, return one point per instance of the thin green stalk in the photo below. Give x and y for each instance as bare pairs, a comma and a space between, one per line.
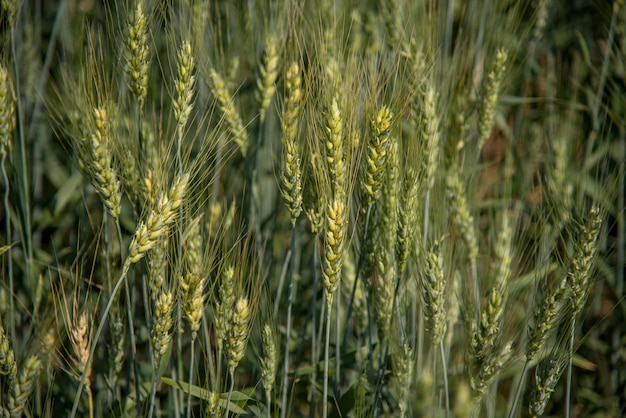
621, 251
357, 274
191, 367
131, 327
518, 390
283, 410
230, 392
7, 221
155, 379
281, 282
568, 388
21, 168
146, 301
326, 359
337, 343
313, 309
444, 370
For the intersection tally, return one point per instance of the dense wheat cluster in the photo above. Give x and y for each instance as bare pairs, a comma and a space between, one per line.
312, 208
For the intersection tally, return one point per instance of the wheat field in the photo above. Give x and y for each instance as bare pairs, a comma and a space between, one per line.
312, 208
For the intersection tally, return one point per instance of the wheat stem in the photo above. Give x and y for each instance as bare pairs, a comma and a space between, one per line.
290, 302
326, 358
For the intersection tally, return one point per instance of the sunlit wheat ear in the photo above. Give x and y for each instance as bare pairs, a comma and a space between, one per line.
547, 375
334, 240
335, 154
156, 226
433, 293
185, 86
80, 338
238, 332
268, 72
491, 90
407, 218
194, 279
291, 174
380, 128
225, 306
7, 358
22, 387
137, 53
193, 300
161, 329
269, 361
104, 175
227, 106
7, 112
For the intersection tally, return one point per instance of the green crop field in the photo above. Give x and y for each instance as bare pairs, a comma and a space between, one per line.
312, 208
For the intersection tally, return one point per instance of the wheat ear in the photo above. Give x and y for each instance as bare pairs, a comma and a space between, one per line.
548, 373
464, 222
161, 337
269, 364
491, 90
268, 72
380, 128
578, 281
101, 164
7, 112
408, 228
237, 339
220, 91
291, 174
23, 387
7, 357
137, 55
184, 86
487, 354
